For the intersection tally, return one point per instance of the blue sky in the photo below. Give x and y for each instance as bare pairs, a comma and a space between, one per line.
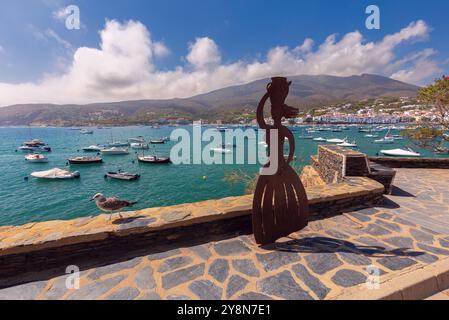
210, 39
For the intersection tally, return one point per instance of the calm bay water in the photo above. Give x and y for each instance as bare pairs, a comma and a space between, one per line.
33, 200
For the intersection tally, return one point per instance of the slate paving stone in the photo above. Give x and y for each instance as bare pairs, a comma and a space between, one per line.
254, 296
401, 242
274, 260
354, 258
444, 243
231, 248
422, 236
396, 263
388, 225
163, 255
433, 250
348, 278
311, 281
174, 263
246, 267
236, 284
371, 246
321, 263
206, 290
283, 285
219, 270
175, 278
150, 296
426, 258
385, 216
113, 268
202, 251
404, 222
337, 234
375, 230
124, 294
96, 289
28, 291
359, 216
145, 278
368, 211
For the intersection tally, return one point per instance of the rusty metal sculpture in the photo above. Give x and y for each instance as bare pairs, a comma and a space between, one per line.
280, 205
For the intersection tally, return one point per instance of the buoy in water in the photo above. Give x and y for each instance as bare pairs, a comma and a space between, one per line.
204, 178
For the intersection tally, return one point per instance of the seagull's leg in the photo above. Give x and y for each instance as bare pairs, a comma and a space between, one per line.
120, 215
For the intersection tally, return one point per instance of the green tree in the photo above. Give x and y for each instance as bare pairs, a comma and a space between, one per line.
427, 135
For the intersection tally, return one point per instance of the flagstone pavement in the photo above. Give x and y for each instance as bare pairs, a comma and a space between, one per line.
409, 230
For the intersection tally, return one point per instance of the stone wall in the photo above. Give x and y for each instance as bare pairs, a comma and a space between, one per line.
427, 163
334, 163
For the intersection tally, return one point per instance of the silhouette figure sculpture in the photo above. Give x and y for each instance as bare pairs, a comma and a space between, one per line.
280, 205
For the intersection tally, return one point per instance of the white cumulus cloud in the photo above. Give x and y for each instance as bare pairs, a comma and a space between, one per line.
123, 67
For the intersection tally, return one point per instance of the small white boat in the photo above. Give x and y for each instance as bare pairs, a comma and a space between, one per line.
400, 153
140, 146
371, 136
36, 158
92, 149
85, 131
221, 150
336, 141
28, 149
115, 151
347, 144
385, 141
55, 174
319, 139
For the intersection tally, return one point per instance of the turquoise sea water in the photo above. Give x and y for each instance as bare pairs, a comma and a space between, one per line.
34, 200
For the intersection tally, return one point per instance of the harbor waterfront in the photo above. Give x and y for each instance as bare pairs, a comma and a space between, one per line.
26, 199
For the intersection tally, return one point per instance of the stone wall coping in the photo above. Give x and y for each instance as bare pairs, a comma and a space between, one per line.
53, 234
341, 151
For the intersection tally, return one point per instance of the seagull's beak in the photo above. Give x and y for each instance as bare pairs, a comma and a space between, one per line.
92, 199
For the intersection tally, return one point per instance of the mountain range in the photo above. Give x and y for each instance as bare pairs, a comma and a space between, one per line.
306, 92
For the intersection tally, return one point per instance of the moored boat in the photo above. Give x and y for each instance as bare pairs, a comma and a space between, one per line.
85, 160
115, 151
400, 153
140, 146
154, 159
92, 149
385, 141
161, 141
335, 141
36, 158
320, 139
122, 176
347, 144
55, 174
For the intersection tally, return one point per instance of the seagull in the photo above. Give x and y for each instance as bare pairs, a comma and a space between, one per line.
111, 205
